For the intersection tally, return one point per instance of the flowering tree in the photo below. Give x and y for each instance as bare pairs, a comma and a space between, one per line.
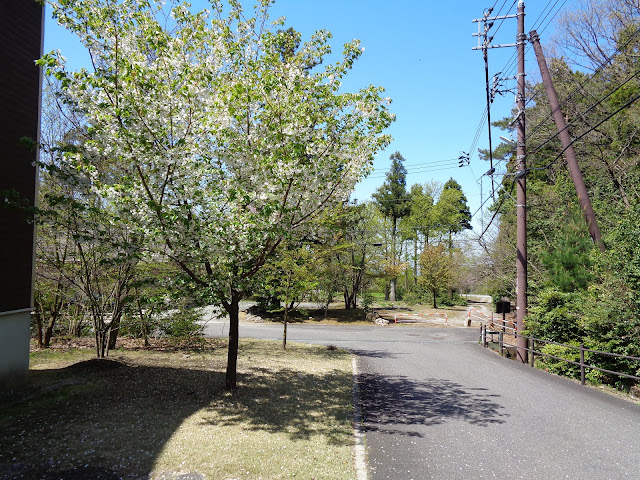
227, 134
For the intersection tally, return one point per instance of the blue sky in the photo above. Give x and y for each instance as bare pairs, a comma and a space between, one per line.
421, 52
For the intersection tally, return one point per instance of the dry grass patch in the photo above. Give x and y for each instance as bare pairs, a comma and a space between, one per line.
162, 413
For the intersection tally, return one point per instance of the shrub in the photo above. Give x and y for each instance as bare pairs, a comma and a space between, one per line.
367, 301
182, 324
446, 300
560, 367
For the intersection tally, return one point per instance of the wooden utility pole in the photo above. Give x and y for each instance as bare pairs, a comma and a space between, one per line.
567, 144
484, 43
521, 198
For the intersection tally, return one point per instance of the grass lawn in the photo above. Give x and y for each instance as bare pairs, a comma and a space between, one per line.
163, 412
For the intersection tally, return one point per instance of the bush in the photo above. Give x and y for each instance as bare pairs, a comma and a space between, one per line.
413, 297
560, 367
367, 301
446, 300
557, 316
182, 324
130, 326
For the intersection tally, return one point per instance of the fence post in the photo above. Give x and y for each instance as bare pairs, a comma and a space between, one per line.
483, 335
532, 347
582, 375
501, 341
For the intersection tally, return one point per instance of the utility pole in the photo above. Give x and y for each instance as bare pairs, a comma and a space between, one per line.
521, 198
565, 138
484, 44
521, 165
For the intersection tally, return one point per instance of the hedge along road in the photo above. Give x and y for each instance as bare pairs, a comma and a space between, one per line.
435, 404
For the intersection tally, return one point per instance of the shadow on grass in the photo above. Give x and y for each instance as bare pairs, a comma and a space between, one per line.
289, 402
395, 404
107, 419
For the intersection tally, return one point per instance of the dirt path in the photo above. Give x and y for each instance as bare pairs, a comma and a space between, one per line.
451, 316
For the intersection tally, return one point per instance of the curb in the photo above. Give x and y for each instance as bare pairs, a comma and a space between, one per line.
360, 451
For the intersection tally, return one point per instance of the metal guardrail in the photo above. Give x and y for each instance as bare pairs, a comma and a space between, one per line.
493, 323
531, 349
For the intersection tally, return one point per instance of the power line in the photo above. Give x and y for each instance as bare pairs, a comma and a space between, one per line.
495, 214
507, 13
426, 168
631, 77
583, 84
626, 105
510, 64
582, 135
433, 162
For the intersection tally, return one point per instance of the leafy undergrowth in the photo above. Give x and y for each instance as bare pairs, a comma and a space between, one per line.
335, 316
163, 412
342, 316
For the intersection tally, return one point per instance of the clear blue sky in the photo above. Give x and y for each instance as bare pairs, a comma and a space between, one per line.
421, 52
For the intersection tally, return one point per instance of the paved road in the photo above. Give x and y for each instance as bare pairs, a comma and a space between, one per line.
437, 405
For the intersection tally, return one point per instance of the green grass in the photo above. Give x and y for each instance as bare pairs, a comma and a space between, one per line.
149, 414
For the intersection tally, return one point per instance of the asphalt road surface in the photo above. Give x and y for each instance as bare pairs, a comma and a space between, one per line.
435, 404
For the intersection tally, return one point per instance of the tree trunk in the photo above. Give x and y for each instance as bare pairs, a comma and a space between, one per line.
386, 291
48, 331
284, 332
114, 329
232, 352
415, 261
101, 343
38, 318
394, 280
350, 299
406, 270
76, 328
435, 293
48, 334
143, 324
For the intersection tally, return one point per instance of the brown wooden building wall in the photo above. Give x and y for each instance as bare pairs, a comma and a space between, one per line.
20, 82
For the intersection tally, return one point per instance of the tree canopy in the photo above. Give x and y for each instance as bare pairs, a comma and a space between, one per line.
226, 134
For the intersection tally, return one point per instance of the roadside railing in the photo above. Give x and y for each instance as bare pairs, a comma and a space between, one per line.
534, 345
492, 322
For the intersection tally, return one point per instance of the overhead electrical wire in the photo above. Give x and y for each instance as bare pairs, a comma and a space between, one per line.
507, 13
510, 64
424, 168
508, 67
600, 68
631, 77
582, 135
497, 211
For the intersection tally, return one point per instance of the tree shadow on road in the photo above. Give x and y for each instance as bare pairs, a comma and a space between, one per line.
372, 353
393, 403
